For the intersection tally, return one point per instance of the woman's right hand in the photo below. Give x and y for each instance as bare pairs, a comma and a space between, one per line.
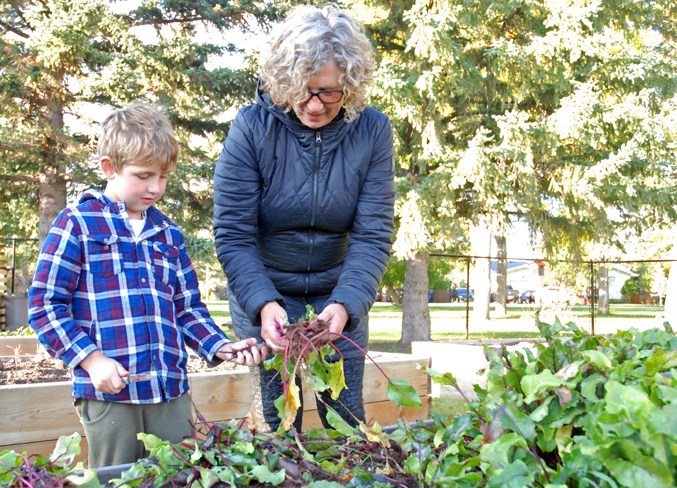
273, 326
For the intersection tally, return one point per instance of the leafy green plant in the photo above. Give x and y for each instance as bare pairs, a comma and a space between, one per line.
18, 332
577, 411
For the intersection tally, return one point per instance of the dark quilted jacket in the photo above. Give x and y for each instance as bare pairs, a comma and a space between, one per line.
303, 212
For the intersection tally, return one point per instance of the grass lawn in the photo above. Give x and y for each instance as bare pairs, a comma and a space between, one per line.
448, 322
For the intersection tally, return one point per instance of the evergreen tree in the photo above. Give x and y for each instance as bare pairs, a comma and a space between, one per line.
558, 114
65, 63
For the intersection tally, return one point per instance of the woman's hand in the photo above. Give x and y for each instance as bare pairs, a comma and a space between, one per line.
337, 316
273, 326
245, 352
106, 373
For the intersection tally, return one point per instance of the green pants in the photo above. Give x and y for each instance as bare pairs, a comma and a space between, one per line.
111, 428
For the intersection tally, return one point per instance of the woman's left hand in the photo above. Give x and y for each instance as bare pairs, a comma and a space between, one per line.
337, 316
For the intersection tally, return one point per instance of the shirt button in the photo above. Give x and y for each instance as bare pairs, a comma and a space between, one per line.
166, 254
154, 357
143, 280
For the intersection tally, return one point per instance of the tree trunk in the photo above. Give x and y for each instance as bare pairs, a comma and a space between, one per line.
52, 182
603, 288
481, 282
500, 305
415, 313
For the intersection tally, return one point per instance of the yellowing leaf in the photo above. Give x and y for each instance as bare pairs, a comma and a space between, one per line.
292, 403
563, 438
375, 434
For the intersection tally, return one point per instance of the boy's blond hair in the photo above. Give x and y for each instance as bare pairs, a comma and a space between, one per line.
139, 134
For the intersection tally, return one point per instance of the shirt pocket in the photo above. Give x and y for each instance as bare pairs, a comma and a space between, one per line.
103, 255
165, 262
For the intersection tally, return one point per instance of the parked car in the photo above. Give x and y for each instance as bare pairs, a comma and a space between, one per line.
556, 296
511, 295
462, 295
528, 296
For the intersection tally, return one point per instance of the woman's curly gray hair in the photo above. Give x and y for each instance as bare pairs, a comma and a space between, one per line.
301, 46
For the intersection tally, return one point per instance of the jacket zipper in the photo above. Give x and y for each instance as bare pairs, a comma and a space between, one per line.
313, 214
316, 176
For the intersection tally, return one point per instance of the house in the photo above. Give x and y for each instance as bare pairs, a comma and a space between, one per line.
522, 275
618, 275
530, 275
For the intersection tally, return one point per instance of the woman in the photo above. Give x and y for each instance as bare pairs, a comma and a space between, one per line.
304, 194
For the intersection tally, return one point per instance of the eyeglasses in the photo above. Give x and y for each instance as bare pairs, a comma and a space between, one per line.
326, 96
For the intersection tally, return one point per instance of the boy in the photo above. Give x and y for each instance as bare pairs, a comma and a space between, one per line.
115, 296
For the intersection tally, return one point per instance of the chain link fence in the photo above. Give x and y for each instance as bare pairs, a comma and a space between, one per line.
584, 292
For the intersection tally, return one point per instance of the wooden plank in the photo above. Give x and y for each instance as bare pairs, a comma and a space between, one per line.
38, 412
221, 396
385, 413
36, 415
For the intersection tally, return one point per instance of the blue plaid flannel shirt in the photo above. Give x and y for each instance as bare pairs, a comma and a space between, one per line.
137, 301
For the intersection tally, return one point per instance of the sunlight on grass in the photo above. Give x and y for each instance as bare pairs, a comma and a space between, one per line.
219, 311
450, 407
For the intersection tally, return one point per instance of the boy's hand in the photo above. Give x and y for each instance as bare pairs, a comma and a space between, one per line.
106, 373
337, 316
245, 352
273, 322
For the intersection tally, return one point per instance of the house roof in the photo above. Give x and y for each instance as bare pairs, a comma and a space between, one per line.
511, 264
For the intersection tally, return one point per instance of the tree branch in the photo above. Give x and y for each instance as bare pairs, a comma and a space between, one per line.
19, 179
12, 29
17, 8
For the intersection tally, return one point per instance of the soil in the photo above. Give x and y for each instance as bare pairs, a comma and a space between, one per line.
41, 368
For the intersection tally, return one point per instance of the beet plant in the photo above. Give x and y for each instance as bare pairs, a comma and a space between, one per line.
58, 470
576, 411
306, 355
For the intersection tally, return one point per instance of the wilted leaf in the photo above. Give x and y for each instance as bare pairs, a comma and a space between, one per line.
564, 394
375, 434
337, 379
288, 406
563, 438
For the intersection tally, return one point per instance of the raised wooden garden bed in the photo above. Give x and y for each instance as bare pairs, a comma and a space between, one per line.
12, 345
33, 416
